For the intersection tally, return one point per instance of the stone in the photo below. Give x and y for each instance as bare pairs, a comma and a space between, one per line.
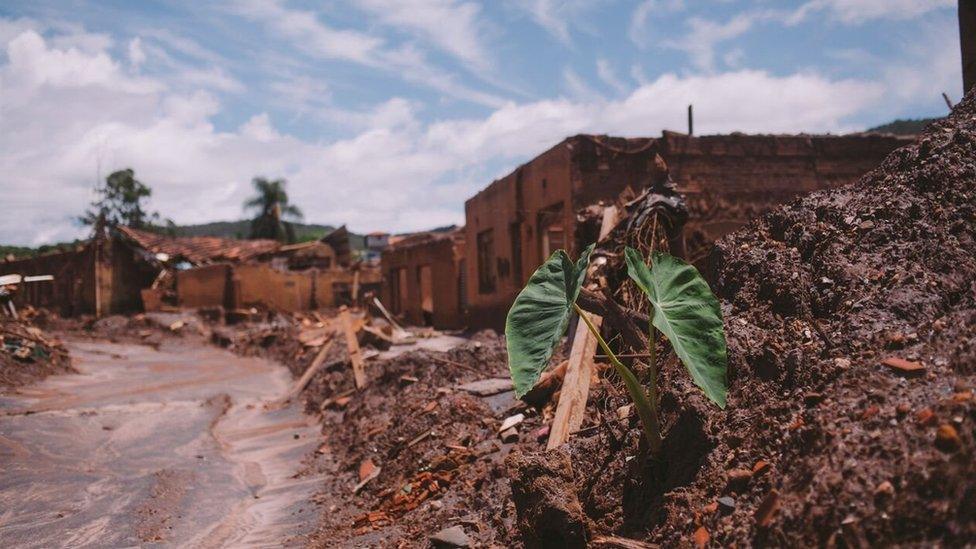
511, 422
451, 537
947, 438
509, 435
726, 503
487, 387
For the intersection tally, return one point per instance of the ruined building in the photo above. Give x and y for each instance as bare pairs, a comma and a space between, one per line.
423, 278
728, 180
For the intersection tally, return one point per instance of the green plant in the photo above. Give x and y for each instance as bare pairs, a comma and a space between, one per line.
682, 307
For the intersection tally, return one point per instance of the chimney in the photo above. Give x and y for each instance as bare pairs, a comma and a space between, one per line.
967, 43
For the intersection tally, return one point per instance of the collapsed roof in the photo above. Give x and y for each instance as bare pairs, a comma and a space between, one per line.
197, 250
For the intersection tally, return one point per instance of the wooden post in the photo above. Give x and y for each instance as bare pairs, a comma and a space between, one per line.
352, 344
576, 385
313, 368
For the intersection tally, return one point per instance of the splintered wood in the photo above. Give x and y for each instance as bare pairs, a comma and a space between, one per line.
352, 345
576, 385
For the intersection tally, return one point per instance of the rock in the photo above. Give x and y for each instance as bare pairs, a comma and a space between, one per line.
451, 537
926, 416
726, 503
947, 438
885, 488
760, 467
511, 421
737, 479
509, 435
548, 511
904, 367
701, 537
487, 387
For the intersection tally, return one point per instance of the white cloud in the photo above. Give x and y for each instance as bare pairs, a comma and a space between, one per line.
137, 56
558, 16
638, 30
451, 25
609, 76
306, 31
71, 117
860, 11
702, 36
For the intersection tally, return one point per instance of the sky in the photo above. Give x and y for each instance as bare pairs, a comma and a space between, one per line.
388, 114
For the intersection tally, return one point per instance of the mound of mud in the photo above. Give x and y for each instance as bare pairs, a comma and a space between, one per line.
851, 321
436, 449
28, 354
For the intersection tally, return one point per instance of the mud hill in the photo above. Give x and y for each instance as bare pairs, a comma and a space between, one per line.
851, 322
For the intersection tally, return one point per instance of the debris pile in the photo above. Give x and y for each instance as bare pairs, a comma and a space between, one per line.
851, 321
27, 353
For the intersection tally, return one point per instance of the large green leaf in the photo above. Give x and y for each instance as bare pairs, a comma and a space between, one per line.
686, 311
538, 318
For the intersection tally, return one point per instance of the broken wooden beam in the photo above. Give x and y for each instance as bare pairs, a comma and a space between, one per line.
579, 370
352, 345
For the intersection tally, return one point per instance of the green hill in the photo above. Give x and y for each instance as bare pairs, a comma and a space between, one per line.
908, 126
239, 229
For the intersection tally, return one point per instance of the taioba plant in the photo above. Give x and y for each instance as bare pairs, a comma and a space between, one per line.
683, 308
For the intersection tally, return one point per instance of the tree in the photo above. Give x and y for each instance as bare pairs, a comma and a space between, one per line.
271, 203
121, 203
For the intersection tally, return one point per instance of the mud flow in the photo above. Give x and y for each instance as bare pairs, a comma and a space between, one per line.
143, 446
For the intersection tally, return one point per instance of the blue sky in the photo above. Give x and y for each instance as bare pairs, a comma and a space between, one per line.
387, 114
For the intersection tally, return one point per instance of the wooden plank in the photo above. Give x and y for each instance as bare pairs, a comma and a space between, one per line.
576, 385
310, 372
352, 344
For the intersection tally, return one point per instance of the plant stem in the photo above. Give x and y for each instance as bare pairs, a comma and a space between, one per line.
646, 409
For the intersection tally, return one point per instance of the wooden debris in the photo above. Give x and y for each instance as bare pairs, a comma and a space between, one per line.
902, 366
622, 543
766, 511
310, 372
576, 385
487, 387
352, 344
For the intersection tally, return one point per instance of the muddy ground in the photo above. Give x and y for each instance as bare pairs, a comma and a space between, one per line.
851, 321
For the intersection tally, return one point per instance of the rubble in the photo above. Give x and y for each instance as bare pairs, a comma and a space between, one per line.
27, 353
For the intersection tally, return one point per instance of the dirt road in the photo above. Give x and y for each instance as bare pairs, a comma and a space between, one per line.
144, 447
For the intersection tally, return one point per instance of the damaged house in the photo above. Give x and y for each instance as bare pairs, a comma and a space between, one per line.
124, 270
727, 180
424, 280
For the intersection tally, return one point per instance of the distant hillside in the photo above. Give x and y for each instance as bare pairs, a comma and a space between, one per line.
904, 127
240, 229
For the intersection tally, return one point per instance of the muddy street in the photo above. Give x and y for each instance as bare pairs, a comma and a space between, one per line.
172, 446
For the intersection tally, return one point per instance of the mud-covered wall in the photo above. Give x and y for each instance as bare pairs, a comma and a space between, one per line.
443, 257
73, 290
728, 180
260, 285
205, 286
531, 212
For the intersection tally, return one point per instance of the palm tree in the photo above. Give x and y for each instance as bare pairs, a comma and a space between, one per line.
271, 202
